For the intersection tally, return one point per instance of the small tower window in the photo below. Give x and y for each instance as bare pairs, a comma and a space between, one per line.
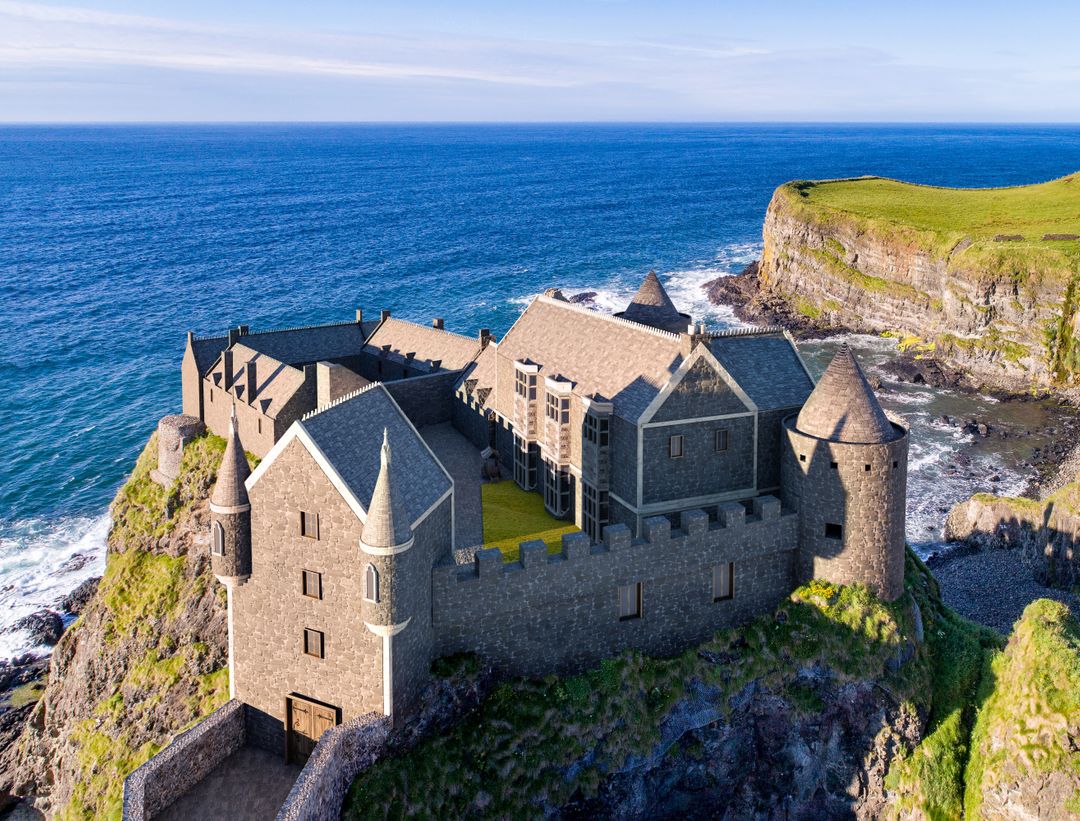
895, 465
834, 531
834, 466
866, 468
630, 601
721, 441
312, 584
217, 539
309, 524
371, 584
675, 446
314, 643
723, 578
802, 457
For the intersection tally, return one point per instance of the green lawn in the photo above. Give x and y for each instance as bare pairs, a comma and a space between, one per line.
1030, 210
512, 516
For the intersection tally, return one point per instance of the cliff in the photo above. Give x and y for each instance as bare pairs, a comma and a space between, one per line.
986, 280
835, 704
145, 659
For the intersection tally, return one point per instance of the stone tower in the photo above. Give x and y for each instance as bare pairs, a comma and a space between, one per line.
230, 526
386, 545
845, 471
652, 306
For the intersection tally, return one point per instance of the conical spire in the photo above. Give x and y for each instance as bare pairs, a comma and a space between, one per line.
651, 305
229, 490
387, 522
843, 407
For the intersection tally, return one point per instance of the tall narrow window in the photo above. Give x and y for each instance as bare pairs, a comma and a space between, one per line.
834, 531
630, 601
211, 394
675, 446
309, 524
604, 427
723, 581
371, 584
217, 539
594, 512
525, 384
258, 420
314, 643
721, 441
312, 584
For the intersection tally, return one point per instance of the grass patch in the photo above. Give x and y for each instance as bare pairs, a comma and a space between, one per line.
513, 515
29, 693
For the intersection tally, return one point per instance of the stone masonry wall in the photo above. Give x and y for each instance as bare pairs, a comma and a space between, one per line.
700, 471
426, 400
190, 757
560, 613
271, 612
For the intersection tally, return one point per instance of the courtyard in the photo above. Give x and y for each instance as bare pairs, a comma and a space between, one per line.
512, 515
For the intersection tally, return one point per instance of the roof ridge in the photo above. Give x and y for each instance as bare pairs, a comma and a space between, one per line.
197, 338
300, 328
429, 328
343, 398
751, 330
608, 317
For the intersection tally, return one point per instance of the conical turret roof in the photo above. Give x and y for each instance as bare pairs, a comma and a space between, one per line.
229, 489
843, 407
387, 522
651, 305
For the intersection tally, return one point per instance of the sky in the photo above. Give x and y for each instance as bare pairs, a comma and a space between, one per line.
587, 60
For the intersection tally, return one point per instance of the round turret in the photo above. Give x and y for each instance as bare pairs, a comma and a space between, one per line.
174, 433
845, 471
230, 513
652, 306
387, 536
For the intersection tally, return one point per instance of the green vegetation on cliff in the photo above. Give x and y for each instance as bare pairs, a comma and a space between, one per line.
550, 742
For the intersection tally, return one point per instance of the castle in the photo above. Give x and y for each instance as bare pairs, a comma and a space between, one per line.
706, 473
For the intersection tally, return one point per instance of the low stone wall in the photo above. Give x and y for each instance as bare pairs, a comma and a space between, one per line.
190, 757
341, 754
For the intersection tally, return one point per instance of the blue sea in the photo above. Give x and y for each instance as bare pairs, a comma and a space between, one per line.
115, 240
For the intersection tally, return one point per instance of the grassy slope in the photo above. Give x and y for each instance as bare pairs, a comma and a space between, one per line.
512, 756
512, 516
141, 601
1033, 703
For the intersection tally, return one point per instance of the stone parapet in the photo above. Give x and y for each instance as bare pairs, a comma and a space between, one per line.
190, 757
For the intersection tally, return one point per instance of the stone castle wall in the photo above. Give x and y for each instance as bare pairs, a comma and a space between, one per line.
865, 494
426, 400
560, 612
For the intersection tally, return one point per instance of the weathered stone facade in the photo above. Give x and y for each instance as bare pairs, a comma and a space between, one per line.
174, 432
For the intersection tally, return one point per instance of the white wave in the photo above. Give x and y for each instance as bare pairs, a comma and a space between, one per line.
41, 561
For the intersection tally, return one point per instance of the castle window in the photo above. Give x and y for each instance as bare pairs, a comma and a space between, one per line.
258, 421
895, 465
802, 457
371, 584
675, 446
217, 539
594, 513
630, 601
834, 531
723, 581
525, 384
525, 457
597, 430
556, 489
558, 408
312, 584
834, 466
211, 394
309, 525
314, 643
866, 468
721, 442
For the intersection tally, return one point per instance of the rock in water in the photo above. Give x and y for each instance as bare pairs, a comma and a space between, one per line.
76, 600
44, 627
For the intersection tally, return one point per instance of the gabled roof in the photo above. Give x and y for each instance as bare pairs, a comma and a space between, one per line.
478, 378
428, 344
651, 305
276, 382
843, 407
766, 365
206, 351
622, 361
346, 437
302, 346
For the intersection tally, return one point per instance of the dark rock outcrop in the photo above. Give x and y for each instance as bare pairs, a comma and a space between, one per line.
44, 627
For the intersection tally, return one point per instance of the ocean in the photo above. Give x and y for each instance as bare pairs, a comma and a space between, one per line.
115, 240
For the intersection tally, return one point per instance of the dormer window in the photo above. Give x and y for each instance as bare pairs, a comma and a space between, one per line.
558, 408
217, 539
525, 385
371, 584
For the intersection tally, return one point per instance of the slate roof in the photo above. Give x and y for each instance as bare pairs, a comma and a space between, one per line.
479, 376
276, 382
624, 362
766, 366
229, 490
387, 523
652, 306
427, 343
350, 432
207, 351
302, 346
843, 407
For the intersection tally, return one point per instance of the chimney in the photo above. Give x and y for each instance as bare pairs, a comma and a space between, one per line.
385, 315
437, 322
243, 329
485, 337
359, 315
311, 376
227, 366
252, 381
234, 336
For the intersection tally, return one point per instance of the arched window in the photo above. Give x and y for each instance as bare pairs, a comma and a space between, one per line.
217, 539
371, 583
